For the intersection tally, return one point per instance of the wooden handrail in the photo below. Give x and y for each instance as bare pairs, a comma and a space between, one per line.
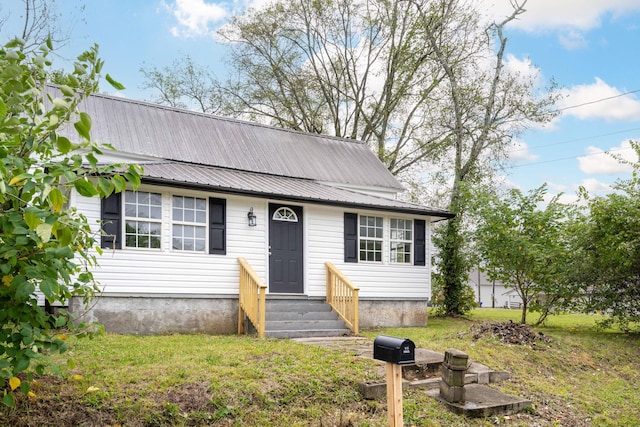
342, 295
252, 299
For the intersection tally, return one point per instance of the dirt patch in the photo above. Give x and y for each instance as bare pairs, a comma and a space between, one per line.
508, 332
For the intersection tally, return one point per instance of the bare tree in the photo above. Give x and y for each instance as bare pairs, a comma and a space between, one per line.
37, 21
184, 84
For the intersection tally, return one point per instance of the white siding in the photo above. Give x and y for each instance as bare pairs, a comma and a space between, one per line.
172, 272
325, 237
141, 271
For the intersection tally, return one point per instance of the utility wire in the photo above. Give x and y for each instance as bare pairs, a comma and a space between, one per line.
566, 158
573, 140
599, 100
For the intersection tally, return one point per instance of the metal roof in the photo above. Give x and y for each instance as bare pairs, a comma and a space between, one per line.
295, 189
162, 132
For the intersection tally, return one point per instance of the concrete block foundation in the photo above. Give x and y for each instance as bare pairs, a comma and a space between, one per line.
152, 315
168, 314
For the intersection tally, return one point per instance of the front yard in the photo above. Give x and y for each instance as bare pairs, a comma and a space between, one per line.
582, 377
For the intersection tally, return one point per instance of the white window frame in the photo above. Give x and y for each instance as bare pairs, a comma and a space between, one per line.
198, 222
139, 220
368, 239
398, 238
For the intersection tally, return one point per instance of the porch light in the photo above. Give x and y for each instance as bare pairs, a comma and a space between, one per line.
252, 218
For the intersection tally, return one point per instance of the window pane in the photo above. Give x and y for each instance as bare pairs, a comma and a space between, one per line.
143, 211
201, 217
177, 214
200, 245
201, 205
189, 215
177, 202
156, 212
177, 244
200, 232
155, 242
129, 210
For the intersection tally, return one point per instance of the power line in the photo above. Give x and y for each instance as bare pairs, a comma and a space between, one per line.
599, 100
574, 140
566, 158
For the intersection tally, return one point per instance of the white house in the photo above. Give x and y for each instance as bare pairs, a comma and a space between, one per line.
492, 293
215, 190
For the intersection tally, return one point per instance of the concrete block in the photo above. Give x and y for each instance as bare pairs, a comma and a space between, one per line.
373, 390
497, 376
451, 394
452, 377
480, 371
456, 359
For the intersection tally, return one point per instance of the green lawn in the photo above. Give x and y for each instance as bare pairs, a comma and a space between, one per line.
583, 377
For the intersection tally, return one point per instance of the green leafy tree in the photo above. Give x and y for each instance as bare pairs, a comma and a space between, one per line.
483, 108
524, 246
45, 152
606, 253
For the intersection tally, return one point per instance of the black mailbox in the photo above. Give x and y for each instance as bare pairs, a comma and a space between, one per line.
400, 351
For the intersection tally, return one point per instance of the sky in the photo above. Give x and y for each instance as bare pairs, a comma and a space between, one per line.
587, 47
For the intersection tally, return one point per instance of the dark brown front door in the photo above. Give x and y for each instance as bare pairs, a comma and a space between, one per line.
286, 245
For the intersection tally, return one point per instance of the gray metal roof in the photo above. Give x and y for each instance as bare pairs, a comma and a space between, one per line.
298, 189
153, 130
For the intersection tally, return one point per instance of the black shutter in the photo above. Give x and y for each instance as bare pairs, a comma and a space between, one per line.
217, 226
419, 242
350, 237
111, 215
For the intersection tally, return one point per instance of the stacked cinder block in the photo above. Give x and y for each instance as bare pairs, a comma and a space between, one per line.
453, 371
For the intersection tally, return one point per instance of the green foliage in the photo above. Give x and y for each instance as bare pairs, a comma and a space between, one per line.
45, 245
523, 245
450, 294
606, 253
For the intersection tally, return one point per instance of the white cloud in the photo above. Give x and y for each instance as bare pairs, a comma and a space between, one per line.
523, 68
597, 161
541, 15
196, 17
593, 186
572, 40
620, 108
570, 19
519, 151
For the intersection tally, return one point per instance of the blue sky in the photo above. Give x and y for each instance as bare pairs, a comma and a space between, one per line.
589, 47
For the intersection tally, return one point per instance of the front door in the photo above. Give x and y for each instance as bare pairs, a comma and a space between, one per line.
285, 249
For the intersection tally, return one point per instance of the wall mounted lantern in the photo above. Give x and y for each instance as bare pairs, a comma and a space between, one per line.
252, 218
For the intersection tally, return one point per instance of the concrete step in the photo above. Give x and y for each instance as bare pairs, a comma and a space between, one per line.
286, 325
307, 333
300, 317
293, 306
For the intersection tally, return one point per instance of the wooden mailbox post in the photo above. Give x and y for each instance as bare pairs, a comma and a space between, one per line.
395, 352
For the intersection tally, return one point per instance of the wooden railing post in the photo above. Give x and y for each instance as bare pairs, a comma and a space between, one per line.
251, 299
342, 295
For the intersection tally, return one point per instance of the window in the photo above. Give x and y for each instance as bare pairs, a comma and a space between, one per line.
400, 241
194, 222
143, 219
371, 238
189, 223
285, 214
